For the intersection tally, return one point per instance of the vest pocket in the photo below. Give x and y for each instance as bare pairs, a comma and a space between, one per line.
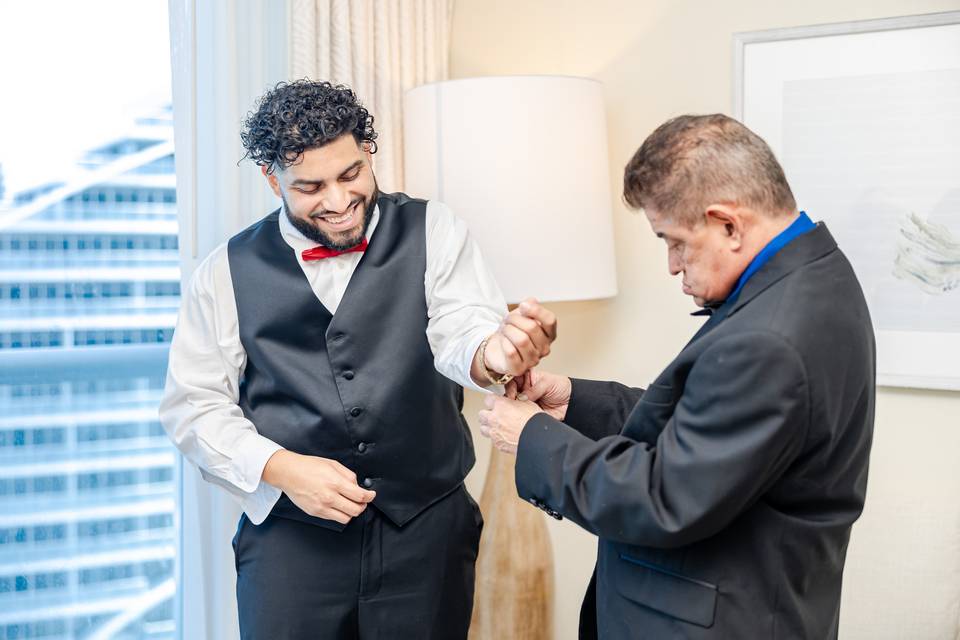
672, 594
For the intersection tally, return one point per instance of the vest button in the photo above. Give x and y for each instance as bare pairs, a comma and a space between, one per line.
356, 411
348, 375
367, 483
362, 447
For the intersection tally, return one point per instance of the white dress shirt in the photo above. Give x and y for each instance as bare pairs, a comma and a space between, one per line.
199, 409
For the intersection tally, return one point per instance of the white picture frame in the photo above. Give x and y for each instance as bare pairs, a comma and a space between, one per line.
841, 105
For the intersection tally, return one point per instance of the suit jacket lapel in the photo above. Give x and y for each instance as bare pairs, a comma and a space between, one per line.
803, 250
811, 246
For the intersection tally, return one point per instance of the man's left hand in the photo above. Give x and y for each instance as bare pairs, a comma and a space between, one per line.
503, 420
523, 339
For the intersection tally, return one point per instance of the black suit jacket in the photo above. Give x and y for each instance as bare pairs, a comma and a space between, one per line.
723, 495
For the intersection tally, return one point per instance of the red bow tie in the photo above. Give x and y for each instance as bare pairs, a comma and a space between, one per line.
319, 253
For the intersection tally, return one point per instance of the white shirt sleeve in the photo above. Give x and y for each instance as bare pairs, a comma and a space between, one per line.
464, 302
199, 409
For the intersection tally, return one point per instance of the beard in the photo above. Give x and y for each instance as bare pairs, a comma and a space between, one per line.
341, 242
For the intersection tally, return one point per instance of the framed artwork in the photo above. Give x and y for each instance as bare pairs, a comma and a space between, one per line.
865, 118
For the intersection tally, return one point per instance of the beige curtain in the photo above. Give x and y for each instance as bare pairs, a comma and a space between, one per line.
224, 54
380, 48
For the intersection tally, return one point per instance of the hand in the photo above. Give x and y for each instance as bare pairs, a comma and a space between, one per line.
320, 486
503, 420
550, 391
524, 338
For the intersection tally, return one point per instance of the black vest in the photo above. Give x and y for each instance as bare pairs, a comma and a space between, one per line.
359, 386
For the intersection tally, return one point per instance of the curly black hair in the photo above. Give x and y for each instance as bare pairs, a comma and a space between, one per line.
296, 116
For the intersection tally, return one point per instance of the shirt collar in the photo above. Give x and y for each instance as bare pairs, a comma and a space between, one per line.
797, 228
299, 242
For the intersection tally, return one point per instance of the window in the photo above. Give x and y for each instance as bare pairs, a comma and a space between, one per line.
87, 477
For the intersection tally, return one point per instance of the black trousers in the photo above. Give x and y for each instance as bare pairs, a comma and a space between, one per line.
298, 581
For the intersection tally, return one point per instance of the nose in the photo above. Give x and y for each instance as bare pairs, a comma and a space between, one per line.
674, 265
336, 198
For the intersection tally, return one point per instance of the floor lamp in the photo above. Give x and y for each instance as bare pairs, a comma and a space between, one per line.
523, 159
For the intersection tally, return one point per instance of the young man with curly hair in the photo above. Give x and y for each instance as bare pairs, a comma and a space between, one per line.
316, 374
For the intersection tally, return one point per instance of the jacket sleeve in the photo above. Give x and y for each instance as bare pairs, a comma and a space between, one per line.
599, 409
741, 420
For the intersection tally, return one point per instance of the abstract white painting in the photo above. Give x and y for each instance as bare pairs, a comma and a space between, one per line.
865, 118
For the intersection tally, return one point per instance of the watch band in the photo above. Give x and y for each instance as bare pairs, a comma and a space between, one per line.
493, 376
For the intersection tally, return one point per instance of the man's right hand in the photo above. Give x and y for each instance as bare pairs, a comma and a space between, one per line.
320, 486
550, 391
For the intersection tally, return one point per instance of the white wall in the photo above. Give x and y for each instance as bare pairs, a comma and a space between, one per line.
658, 59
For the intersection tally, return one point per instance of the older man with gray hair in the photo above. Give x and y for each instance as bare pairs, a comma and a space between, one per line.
723, 494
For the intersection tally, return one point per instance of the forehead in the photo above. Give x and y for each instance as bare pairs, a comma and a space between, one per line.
331, 158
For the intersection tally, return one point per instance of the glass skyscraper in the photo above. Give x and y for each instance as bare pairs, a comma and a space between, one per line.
89, 289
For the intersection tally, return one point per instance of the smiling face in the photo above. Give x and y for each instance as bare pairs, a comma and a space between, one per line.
330, 192
710, 255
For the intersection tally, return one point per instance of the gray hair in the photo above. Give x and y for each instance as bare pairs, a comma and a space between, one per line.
690, 162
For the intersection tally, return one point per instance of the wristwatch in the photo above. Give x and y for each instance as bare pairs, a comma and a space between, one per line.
493, 376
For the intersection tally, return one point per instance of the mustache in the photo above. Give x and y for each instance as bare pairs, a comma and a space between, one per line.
326, 212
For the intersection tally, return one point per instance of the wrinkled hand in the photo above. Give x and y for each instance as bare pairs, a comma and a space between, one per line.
524, 338
503, 420
550, 391
320, 486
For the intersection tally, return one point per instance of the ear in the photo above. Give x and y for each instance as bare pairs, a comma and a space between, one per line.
271, 180
728, 221
367, 148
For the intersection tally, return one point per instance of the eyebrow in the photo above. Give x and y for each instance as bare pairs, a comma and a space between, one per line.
301, 182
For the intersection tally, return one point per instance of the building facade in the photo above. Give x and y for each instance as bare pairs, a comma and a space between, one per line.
89, 289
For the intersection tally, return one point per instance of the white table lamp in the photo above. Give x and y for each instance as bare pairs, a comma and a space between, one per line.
523, 159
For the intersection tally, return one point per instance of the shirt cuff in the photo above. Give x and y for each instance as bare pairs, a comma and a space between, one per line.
474, 339
259, 504
255, 496
249, 462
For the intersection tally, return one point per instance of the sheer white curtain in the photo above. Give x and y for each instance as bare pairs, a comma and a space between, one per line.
225, 53
380, 48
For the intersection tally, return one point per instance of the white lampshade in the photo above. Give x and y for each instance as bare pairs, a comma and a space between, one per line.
523, 159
